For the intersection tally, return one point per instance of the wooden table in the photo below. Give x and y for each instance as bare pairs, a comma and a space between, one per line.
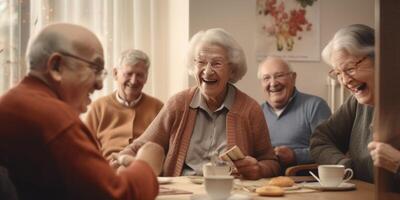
364, 191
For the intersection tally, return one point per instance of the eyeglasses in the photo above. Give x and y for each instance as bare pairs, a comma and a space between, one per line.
97, 68
278, 76
349, 71
215, 64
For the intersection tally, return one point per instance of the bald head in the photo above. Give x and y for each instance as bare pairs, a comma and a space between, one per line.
277, 81
69, 60
275, 62
61, 37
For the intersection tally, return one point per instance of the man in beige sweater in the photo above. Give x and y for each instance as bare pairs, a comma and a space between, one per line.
119, 118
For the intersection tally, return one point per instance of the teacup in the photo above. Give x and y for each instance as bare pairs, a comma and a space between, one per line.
333, 175
218, 187
216, 170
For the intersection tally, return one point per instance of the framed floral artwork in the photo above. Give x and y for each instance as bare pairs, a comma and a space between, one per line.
288, 29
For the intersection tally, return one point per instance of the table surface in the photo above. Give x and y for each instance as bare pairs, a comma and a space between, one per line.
363, 191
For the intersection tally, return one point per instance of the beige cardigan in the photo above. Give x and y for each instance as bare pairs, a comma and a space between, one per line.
115, 125
245, 127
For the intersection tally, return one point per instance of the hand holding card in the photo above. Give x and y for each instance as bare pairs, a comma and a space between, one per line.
232, 154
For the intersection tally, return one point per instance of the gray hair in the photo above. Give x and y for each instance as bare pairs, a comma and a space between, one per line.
222, 38
285, 62
356, 39
132, 57
43, 45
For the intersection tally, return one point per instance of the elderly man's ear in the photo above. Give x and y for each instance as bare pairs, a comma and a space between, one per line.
54, 67
115, 73
294, 76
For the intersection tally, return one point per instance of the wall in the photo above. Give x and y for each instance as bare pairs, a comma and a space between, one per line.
238, 17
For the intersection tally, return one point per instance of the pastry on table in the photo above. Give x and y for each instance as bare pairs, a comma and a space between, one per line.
270, 190
281, 181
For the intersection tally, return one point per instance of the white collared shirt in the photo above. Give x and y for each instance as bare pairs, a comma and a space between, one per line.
126, 103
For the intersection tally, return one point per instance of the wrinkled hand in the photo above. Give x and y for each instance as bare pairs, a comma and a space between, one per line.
117, 161
114, 161
153, 154
249, 168
120, 169
385, 156
125, 160
285, 154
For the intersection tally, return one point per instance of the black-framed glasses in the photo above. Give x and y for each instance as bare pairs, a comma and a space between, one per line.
349, 71
278, 76
97, 68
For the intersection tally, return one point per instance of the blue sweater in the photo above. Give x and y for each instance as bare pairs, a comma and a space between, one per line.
294, 126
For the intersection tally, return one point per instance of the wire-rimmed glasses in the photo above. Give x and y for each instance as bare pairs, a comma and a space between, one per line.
215, 64
97, 68
349, 71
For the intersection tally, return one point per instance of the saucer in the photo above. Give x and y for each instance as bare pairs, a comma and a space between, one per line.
232, 197
294, 187
164, 180
318, 186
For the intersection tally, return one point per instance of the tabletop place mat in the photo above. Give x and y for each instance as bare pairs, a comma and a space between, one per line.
172, 191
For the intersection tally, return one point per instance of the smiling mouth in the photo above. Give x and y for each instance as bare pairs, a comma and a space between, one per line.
130, 85
359, 88
208, 81
275, 90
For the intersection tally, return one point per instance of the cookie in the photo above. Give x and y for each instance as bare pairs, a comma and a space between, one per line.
269, 190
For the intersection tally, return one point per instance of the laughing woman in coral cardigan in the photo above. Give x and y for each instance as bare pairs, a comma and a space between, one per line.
212, 116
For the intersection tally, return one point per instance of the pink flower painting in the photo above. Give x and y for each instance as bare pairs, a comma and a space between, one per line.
286, 23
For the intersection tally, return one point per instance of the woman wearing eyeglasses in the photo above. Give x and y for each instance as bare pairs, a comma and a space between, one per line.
213, 116
344, 137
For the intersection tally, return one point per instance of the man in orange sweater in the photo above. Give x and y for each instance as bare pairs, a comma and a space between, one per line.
48, 151
119, 118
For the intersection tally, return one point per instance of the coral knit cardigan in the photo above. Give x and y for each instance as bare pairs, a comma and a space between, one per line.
245, 127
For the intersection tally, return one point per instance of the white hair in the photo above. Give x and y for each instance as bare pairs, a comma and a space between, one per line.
356, 39
132, 57
221, 38
285, 62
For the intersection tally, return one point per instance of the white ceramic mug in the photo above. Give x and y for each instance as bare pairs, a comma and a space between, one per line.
333, 175
216, 170
218, 187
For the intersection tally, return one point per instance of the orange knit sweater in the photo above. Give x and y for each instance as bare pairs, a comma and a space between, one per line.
50, 153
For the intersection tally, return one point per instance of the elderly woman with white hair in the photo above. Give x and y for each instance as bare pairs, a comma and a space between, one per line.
346, 137
212, 116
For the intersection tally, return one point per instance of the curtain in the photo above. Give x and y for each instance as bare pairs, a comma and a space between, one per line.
12, 65
157, 27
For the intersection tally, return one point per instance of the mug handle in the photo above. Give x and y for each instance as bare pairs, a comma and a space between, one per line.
347, 173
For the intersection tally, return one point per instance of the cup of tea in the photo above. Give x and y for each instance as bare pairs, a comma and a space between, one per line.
333, 175
218, 187
216, 170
